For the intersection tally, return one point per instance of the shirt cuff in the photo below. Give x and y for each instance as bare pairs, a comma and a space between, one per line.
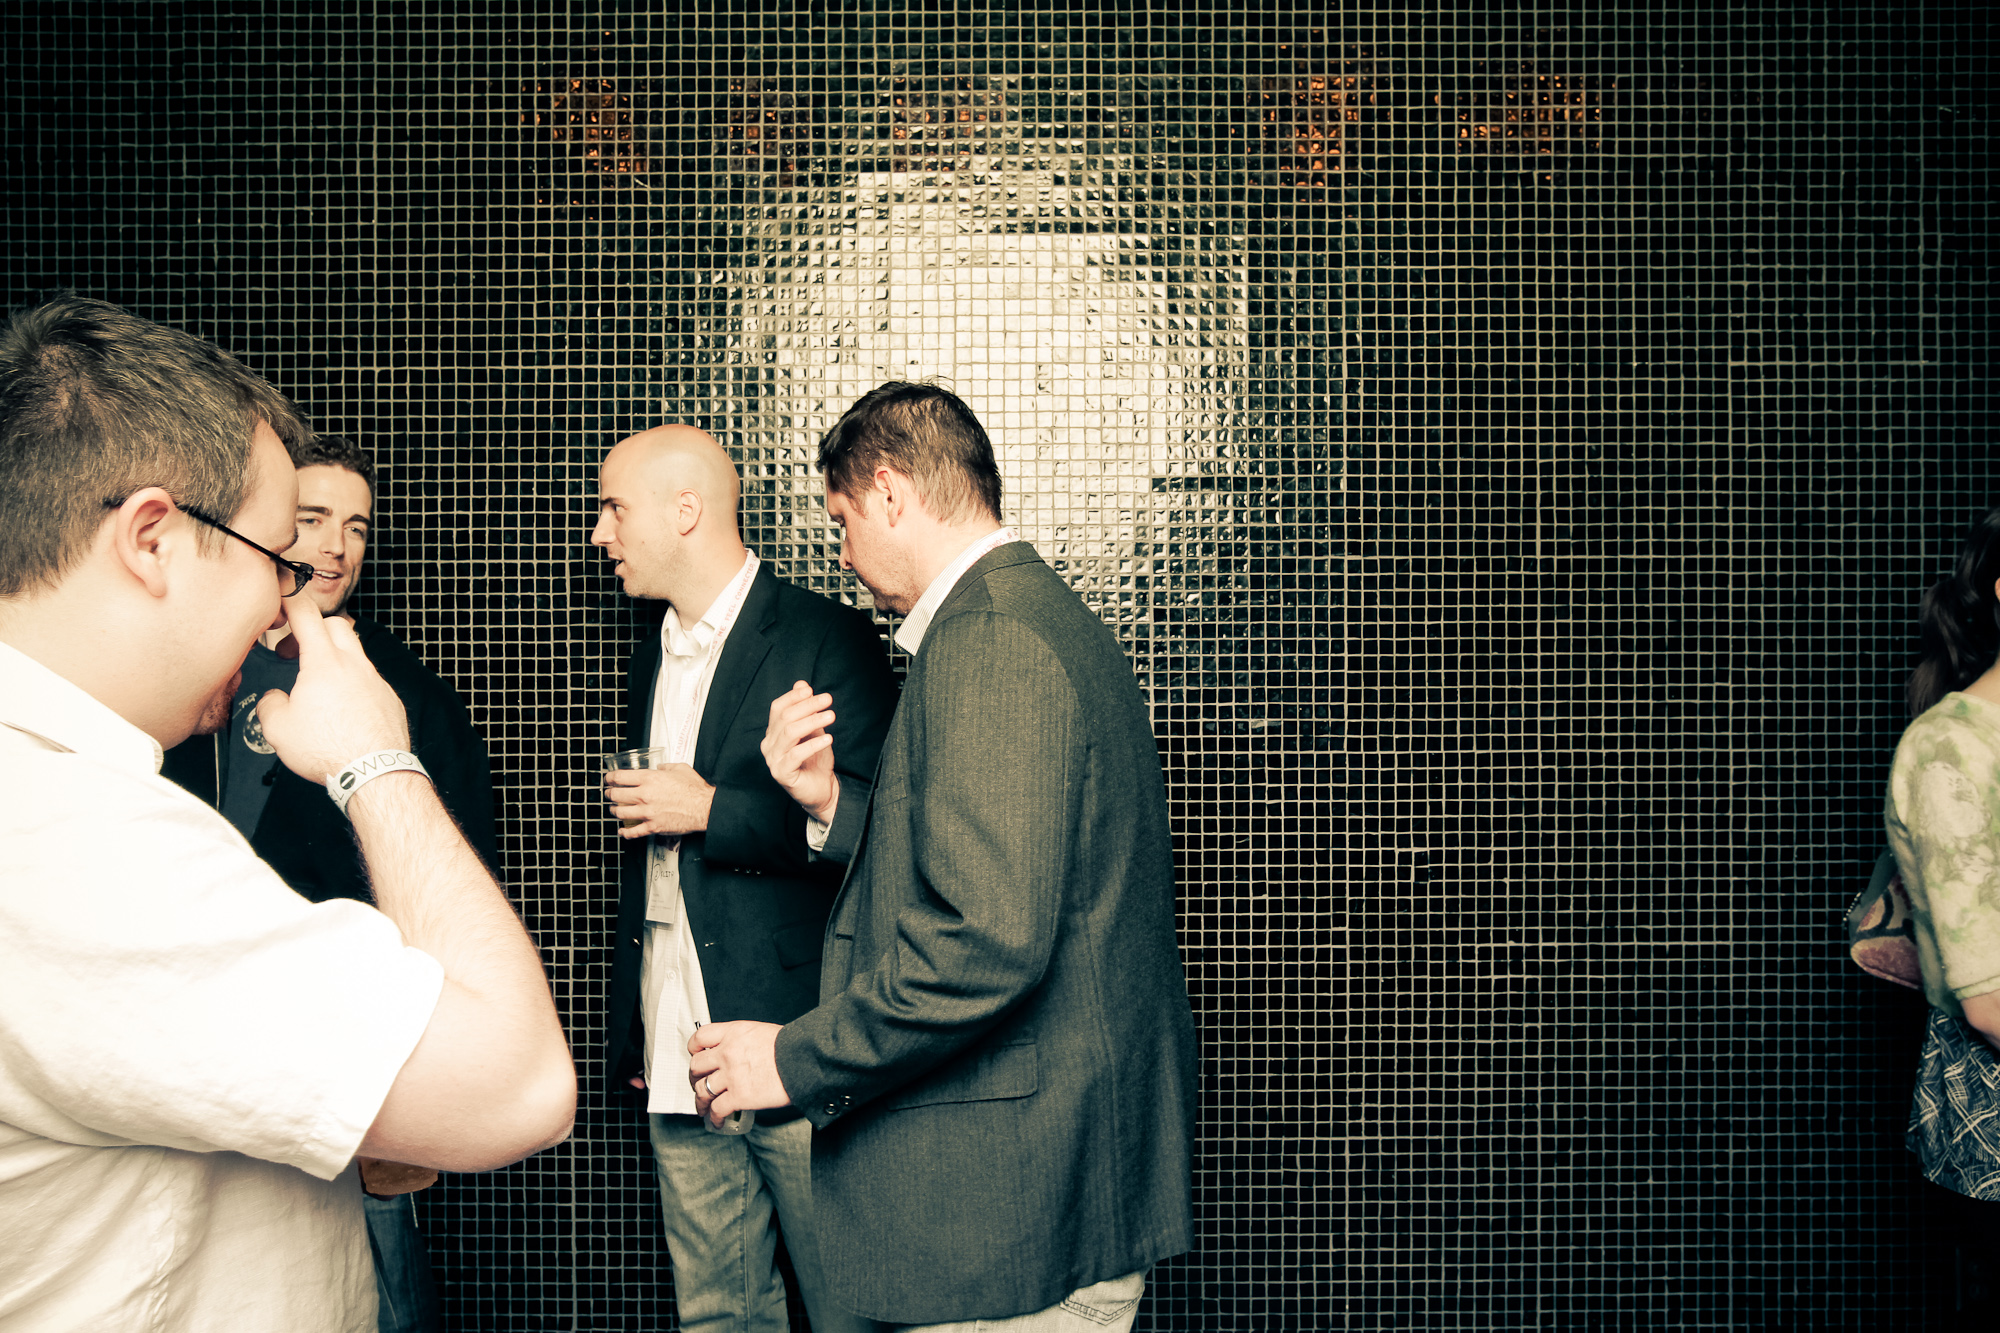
816, 834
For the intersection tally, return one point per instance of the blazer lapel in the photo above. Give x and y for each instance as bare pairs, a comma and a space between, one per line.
743, 652
837, 941
639, 699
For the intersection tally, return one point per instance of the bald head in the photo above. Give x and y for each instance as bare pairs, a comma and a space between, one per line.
667, 515
669, 459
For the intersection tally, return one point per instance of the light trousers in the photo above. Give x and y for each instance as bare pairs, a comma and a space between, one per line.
718, 1193
1109, 1306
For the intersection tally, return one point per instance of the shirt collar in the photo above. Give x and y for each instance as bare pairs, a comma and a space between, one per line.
910, 634
700, 637
59, 713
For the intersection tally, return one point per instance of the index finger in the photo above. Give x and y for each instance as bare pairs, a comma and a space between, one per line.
312, 629
303, 615
799, 690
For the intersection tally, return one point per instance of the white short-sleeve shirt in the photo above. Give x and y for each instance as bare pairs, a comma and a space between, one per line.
190, 1052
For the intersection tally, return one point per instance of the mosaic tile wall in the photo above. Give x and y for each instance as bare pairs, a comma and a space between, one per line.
1510, 443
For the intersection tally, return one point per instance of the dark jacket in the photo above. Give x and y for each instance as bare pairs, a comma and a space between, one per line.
757, 898
1001, 1069
302, 835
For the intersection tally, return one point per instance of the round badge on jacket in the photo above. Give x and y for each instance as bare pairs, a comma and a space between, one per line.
253, 727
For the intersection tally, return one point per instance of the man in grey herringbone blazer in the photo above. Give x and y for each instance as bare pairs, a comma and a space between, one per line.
1000, 1071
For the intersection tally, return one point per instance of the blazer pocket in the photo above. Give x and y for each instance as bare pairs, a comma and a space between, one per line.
798, 944
1001, 1074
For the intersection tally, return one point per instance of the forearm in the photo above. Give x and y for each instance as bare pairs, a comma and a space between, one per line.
850, 820
429, 881
1982, 1013
889, 1028
494, 1063
853, 1049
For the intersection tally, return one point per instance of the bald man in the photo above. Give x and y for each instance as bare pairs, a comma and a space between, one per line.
726, 881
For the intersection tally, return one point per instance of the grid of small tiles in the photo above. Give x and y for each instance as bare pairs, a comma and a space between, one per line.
1509, 443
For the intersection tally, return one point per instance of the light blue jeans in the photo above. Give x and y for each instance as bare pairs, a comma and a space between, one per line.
405, 1298
1102, 1307
717, 1195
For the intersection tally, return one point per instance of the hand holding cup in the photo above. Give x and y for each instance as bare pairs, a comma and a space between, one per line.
648, 795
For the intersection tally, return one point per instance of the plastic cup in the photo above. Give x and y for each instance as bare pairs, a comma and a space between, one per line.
652, 756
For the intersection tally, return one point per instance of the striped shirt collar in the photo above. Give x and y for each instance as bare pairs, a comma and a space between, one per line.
910, 634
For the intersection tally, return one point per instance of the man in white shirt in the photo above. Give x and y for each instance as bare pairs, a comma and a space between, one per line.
296, 830
191, 1055
725, 883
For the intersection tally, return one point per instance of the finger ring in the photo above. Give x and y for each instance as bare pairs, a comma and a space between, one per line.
708, 1087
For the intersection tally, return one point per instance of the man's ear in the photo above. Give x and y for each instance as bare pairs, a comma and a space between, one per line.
893, 489
687, 511
144, 537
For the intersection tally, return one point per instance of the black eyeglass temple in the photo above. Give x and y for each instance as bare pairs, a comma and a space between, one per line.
301, 572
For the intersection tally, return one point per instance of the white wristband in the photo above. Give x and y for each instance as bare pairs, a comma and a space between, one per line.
342, 785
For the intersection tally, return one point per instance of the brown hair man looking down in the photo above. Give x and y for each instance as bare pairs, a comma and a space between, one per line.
298, 832
1000, 1072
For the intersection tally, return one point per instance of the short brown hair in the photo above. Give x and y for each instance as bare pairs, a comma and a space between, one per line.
924, 432
338, 451
96, 403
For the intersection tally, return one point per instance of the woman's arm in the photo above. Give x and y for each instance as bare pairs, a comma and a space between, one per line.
1983, 1012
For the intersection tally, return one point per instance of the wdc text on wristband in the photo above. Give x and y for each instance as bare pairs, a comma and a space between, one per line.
341, 786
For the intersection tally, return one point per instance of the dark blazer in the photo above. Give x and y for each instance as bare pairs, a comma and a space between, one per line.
1001, 1069
757, 897
302, 835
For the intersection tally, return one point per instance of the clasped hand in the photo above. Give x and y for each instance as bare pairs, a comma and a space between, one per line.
671, 801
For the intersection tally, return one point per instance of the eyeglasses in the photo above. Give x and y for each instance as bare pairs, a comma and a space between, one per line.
300, 572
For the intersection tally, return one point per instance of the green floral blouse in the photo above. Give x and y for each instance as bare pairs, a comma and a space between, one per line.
1943, 816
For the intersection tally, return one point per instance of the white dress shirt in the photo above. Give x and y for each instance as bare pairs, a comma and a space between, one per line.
674, 1001
190, 1052
910, 634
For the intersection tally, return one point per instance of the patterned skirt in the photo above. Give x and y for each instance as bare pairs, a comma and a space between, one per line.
1955, 1115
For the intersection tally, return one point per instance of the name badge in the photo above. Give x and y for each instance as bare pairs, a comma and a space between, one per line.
663, 882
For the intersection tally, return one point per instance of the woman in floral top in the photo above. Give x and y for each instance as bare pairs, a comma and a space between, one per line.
1943, 816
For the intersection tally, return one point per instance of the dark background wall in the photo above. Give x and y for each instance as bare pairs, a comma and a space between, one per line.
1510, 442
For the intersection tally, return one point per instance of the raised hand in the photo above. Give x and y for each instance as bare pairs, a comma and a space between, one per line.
798, 750
339, 709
